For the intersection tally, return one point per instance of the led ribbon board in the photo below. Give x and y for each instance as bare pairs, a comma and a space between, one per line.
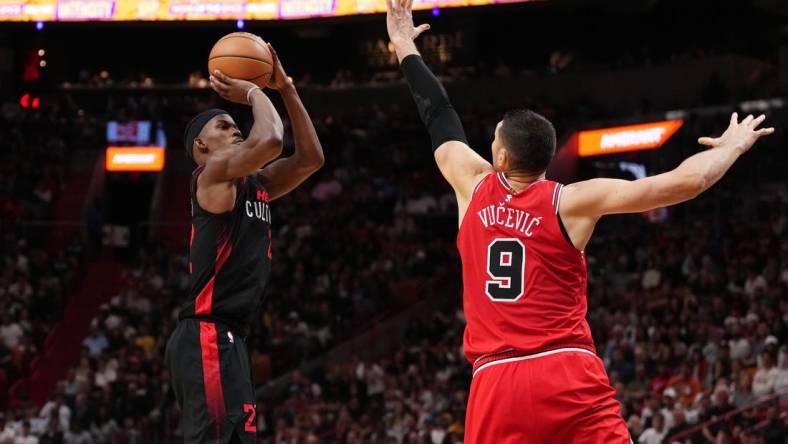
139, 158
181, 10
621, 139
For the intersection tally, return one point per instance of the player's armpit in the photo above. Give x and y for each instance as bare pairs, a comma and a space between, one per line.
598, 197
462, 167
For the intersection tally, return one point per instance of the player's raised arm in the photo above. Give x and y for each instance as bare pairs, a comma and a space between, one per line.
460, 165
283, 175
264, 142
583, 203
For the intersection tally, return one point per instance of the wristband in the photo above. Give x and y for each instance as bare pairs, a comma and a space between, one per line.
249, 94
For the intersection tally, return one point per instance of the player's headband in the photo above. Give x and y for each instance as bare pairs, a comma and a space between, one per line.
196, 125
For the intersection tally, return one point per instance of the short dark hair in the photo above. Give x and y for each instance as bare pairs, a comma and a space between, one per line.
529, 138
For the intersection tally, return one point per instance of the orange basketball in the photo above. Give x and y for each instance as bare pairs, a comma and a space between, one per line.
244, 56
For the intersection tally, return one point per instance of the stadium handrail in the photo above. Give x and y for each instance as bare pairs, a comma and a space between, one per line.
774, 397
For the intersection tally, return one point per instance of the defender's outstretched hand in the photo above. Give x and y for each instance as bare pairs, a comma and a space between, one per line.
740, 136
399, 23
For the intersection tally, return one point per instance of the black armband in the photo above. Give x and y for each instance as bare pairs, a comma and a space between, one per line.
436, 112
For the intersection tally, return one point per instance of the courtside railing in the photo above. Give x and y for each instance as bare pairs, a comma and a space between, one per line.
779, 399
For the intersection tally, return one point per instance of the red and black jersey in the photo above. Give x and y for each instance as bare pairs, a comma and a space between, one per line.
524, 282
229, 256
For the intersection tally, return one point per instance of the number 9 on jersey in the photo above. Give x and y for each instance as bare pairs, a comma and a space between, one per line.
506, 268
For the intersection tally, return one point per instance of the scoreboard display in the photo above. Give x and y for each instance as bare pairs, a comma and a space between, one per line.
186, 10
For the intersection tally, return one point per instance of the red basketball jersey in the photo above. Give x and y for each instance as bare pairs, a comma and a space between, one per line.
524, 283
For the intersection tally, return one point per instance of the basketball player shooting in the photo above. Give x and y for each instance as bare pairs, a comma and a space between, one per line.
230, 251
536, 376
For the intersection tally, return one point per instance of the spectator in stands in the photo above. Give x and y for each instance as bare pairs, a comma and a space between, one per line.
634, 425
782, 375
720, 406
25, 436
636, 388
59, 410
765, 378
656, 433
739, 345
96, 342
685, 384
7, 432
77, 434
659, 382
668, 405
53, 433
21, 288
755, 282
680, 424
10, 330
743, 392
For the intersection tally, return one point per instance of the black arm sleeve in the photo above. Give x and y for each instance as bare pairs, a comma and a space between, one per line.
436, 112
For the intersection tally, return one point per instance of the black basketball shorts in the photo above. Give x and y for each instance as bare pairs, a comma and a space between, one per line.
212, 380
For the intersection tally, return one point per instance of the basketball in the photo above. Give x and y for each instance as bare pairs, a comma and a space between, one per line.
243, 56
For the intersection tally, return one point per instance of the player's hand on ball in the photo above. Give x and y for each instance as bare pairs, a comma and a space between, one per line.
739, 135
399, 21
279, 79
233, 90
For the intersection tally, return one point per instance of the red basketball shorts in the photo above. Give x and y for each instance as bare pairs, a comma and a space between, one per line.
557, 397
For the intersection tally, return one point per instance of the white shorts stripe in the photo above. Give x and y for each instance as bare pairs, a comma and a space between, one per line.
534, 356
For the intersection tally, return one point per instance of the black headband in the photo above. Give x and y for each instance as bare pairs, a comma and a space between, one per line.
195, 126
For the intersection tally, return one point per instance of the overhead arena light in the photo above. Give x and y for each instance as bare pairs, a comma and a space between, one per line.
138, 158
622, 139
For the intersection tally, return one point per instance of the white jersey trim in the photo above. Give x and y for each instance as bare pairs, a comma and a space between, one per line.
504, 182
558, 199
508, 186
534, 356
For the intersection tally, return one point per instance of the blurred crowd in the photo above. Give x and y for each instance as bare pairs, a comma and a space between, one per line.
689, 313
34, 279
379, 68
690, 318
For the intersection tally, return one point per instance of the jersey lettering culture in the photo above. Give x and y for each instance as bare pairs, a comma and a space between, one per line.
228, 270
